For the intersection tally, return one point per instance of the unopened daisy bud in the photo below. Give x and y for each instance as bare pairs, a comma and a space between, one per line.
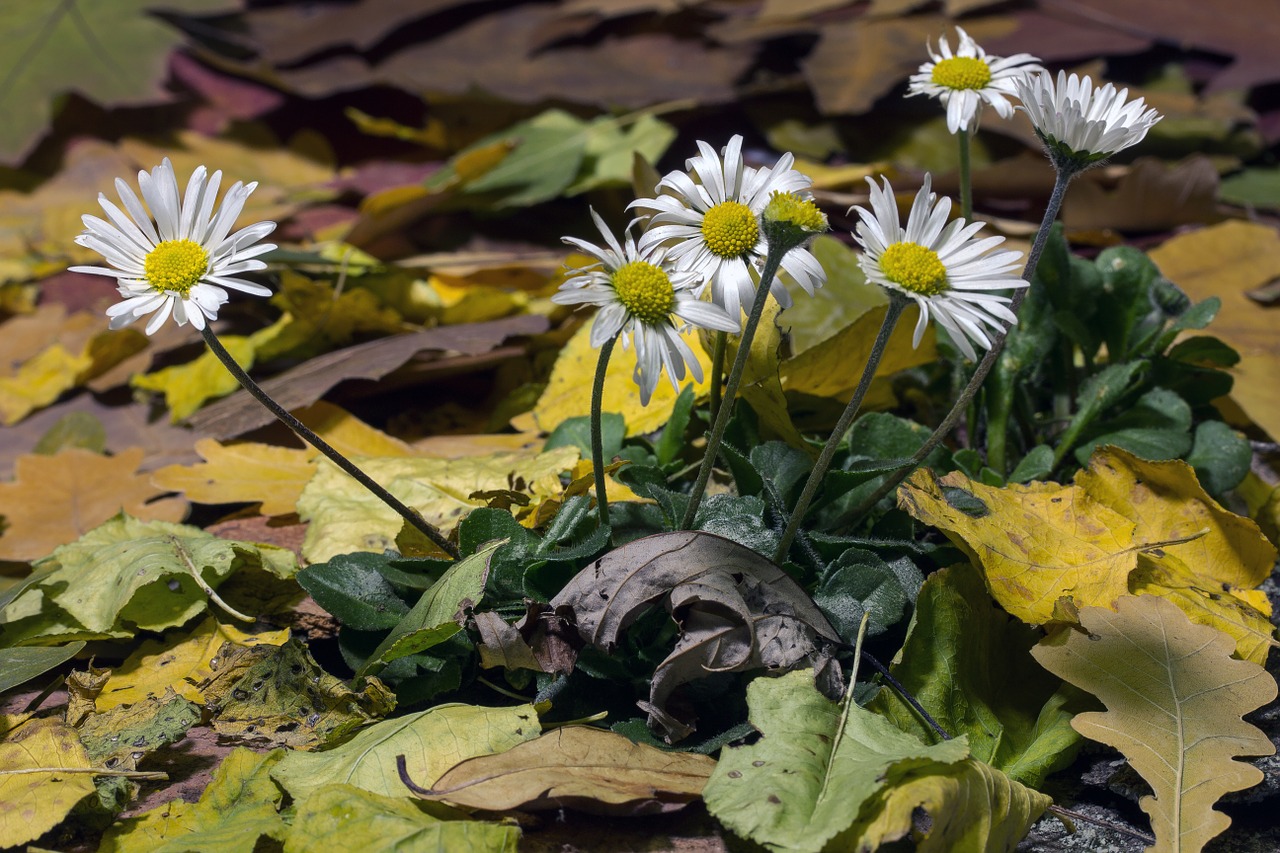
790, 220
1080, 125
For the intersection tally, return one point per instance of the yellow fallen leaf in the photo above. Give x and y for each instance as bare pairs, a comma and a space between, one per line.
1227, 260
349, 435
241, 473
1041, 542
760, 383
36, 801
457, 301
319, 312
568, 392
833, 367
53, 500
187, 386
1174, 700
346, 517
180, 662
40, 381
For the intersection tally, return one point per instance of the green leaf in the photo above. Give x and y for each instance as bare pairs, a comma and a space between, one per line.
1126, 305
431, 741
20, 665
671, 441
1220, 455
860, 583
74, 429
1097, 393
576, 432
343, 817
237, 809
1036, 465
804, 782
969, 664
127, 575
611, 148
438, 614
1255, 187
1156, 427
351, 587
111, 51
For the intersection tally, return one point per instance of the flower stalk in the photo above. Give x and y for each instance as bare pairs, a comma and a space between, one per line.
306, 434
897, 302
597, 439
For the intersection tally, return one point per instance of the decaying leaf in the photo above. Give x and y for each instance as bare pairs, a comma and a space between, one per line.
180, 662
1042, 542
578, 767
279, 696
33, 802
501, 645
737, 611
432, 741
237, 809
343, 817
118, 739
1174, 699
56, 499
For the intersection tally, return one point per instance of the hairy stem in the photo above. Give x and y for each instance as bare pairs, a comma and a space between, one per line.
597, 440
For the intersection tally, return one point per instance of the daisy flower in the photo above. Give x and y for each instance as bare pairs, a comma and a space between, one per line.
963, 80
943, 267
639, 291
709, 217
1081, 123
178, 259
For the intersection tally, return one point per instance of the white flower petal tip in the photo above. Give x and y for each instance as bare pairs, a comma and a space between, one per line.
641, 292
708, 218
1082, 124
963, 81
951, 273
175, 256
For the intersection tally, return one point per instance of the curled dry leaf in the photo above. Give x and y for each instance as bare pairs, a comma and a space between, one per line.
579, 767
737, 611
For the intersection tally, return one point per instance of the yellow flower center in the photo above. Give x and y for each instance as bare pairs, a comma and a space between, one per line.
645, 291
794, 210
915, 268
176, 265
962, 72
730, 229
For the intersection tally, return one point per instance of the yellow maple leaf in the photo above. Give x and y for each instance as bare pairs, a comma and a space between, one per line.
40, 381
54, 500
241, 473
1042, 542
187, 386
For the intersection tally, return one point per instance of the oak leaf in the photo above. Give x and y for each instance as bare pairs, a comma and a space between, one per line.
1174, 699
56, 499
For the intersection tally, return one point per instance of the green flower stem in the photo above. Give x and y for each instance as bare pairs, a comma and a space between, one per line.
771, 263
597, 440
966, 179
717, 371
897, 302
984, 366
408, 513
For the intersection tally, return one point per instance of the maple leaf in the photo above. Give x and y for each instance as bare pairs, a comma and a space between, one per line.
56, 499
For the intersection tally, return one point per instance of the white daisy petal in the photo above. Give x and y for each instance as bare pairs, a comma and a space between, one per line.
175, 260
963, 81
947, 271
722, 251
1081, 122
641, 292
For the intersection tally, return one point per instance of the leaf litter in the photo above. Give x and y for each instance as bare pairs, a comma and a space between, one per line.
416, 299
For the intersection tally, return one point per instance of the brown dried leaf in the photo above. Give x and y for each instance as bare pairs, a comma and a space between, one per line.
578, 767
737, 611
